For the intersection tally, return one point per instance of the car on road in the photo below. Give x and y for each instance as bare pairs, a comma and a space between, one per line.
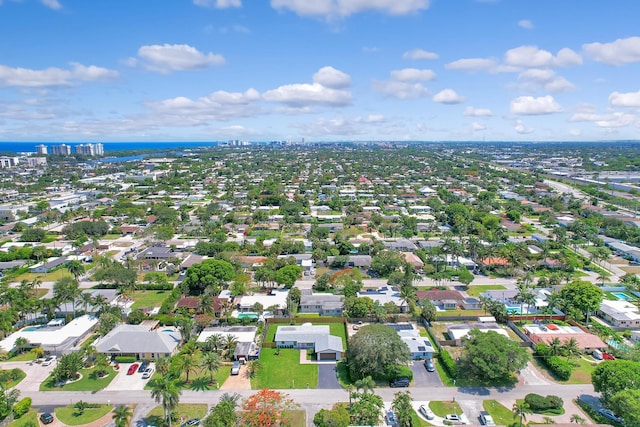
486, 419
147, 373
191, 422
235, 369
132, 369
46, 418
610, 415
427, 412
400, 382
49, 360
429, 365
453, 419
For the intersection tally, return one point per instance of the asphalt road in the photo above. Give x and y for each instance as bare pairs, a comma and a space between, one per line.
424, 378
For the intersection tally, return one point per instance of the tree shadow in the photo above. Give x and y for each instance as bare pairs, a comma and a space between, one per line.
200, 384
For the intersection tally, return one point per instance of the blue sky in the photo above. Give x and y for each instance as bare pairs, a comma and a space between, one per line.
322, 70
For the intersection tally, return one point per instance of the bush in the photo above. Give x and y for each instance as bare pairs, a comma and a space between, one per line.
540, 404
125, 359
399, 371
22, 407
448, 363
559, 367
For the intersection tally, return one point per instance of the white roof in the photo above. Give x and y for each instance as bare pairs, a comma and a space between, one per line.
50, 336
460, 331
277, 297
242, 333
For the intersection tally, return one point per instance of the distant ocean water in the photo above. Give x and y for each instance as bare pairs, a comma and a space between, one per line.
19, 147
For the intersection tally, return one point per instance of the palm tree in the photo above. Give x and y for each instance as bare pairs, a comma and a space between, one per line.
367, 384
233, 398
21, 343
571, 347
188, 363
214, 342
166, 392
186, 327
81, 406
556, 346
163, 365
122, 415
211, 362
575, 418
75, 267
228, 342
521, 409
99, 303
85, 300
253, 367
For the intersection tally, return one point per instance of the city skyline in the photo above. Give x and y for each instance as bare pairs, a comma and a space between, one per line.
206, 70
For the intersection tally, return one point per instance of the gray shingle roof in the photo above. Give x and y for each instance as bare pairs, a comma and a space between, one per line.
136, 339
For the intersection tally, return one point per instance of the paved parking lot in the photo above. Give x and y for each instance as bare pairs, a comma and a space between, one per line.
122, 381
422, 377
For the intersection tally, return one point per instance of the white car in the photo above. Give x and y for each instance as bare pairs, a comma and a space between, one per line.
49, 360
454, 419
428, 413
147, 373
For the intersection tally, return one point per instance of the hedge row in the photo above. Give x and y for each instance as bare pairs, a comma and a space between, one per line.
22, 407
140, 286
399, 371
170, 302
448, 363
540, 404
559, 367
125, 359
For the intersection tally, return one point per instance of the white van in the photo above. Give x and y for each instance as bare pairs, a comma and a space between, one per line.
597, 354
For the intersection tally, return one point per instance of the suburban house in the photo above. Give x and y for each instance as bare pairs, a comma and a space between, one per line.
323, 304
244, 336
384, 295
47, 266
277, 297
313, 337
354, 261
443, 299
157, 253
621, 314
139, 341
458, 332
547, 333
419, 347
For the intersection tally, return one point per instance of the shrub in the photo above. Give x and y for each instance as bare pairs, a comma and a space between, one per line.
539, 403
448, 363
399, 371
125, 359
560, 367
22, 407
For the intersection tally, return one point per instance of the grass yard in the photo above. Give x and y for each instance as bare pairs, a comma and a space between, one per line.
337, 329
199, 380
29, 419
144, 299
88, 382
343, 373
17, 381
581, 374
296, 418
417, 421
186, 411
442, 408
460, 312
476, 290
500, 413
70, 416
44, 277
283, 370
22, 357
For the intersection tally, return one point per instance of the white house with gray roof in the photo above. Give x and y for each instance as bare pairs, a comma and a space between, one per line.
312, 337
139, 341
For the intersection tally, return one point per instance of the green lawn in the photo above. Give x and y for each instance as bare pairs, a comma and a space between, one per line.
283, 370
144, 299
185, 412
17, 380
22, 357
43, 277
88, 382
198, 380
29, 419
69, 415
582, 370
296, 419
442, 408
500, 413
476, 290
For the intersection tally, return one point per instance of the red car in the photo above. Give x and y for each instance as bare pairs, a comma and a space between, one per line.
132, 369
607, 356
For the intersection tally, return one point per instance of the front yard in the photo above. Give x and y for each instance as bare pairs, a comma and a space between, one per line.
143, 299
281, 369
185, 412
476, 290
582, 370
88, 382
71, 417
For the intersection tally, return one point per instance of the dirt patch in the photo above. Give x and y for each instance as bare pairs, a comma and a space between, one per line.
238, 382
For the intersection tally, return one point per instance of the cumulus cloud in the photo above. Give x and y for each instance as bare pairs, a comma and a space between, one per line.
472, 64
341, 126
547, 79
528, 105
416, 54
526, 24
478, 126
477, 112
218, 4
609, 120
521, 128
331, 9
629, 99
167, 58
618, 52
400, 90
448, 96
332, 78
52, 77
304, 94
533, 57
413, 75
52, 4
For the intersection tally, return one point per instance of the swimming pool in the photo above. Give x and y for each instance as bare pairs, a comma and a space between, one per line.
247, 316
622, 296
32, 328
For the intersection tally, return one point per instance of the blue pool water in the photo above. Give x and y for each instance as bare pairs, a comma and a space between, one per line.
622, 296
168, 330
247, 316
31, 328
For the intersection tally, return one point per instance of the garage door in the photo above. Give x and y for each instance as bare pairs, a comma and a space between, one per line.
327, 356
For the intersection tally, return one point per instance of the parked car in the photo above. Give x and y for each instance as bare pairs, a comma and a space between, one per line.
454, 419
597, 354
143, 366
147, 373
610, 415
46, 418
607, 356
427, 412
235, 369
400, 382
391, 419
357, 325
486, 419
429, 365
191, 422
132, 369
49, 360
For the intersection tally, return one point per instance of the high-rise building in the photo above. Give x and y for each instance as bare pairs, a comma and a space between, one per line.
85, 150
61, 150
99, 149
41, 149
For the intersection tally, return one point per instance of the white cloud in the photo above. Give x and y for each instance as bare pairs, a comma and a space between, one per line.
175, 57
400, 90
332, 78
52, 77
528, 105
416, 54
477, 112
567, 58
478, 126
304, 94
472, 64
544, 78
521, 128
340, 126
629, 99
412, 75
619, 52
52, 4
526, 24
448, 96
330, 9
218, 4
533, 57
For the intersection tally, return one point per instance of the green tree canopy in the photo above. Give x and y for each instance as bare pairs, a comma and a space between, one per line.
583, 295
212, 273
626, 404
615, 376
373, 350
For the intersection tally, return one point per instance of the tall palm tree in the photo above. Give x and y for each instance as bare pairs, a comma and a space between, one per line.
571, 347
556, 346
85, 300
188, 363
211, 362
75, 267
521, 409
122, 415
166, 392
214, 342
228, 343
575, 418
99, 303
366, 384
163, 365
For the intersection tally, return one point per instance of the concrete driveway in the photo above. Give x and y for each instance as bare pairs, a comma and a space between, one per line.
424, 378
327, 376
123, 382
36, 374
